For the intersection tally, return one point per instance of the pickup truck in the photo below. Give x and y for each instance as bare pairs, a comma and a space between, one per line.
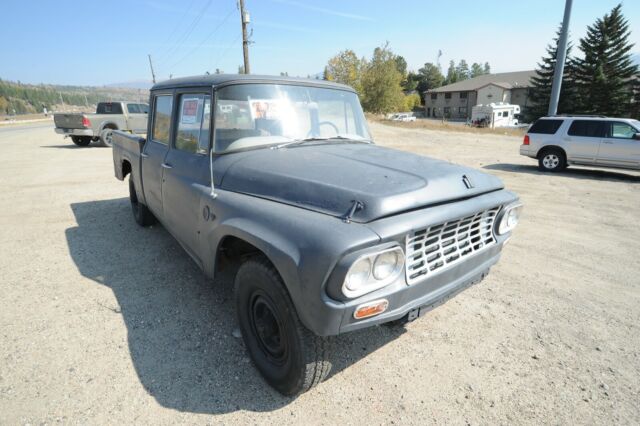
109, 116
324, 231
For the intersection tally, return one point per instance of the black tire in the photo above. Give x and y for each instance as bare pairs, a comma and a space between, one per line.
141, 213
81, 140
552, 160
290, 357
105, 137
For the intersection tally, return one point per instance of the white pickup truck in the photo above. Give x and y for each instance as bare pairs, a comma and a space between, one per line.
84, 128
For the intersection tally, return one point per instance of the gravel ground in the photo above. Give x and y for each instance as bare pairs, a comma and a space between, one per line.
105, 322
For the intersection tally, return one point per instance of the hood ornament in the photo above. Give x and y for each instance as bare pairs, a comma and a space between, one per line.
467, 182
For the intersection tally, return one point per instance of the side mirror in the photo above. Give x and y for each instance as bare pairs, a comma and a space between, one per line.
637, 136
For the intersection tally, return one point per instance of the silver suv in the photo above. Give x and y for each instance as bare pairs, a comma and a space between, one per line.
558, 141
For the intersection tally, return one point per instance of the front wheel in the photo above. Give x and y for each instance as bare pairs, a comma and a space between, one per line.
290, 357
552, 160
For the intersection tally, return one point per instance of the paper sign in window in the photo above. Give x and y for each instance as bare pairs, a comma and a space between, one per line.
189, 110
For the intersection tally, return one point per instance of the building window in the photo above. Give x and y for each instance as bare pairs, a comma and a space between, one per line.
462, 110
463, 95
447, 95
434, 96
447, 111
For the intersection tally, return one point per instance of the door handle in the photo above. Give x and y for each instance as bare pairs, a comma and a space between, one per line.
143, 155
167, 166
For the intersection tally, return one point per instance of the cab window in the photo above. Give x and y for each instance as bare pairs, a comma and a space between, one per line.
193, 123
162, 118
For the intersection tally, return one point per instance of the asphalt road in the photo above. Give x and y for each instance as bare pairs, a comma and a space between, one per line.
104, 322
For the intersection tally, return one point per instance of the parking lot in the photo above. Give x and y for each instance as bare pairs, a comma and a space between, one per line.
102, 321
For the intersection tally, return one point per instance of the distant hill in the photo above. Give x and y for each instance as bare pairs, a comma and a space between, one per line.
32, 98
135, 84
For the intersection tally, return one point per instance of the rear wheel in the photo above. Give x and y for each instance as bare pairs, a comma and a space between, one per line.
81, 140
106, 136
552, 160
290, 357
141, 213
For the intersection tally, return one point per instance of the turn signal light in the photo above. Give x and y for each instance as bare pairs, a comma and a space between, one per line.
526, 140
371, 309
86, 122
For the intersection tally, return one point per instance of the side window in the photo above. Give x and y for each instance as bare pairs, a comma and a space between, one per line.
144, 108
162, 118
193, 123
133, 109
587, 128
545, 127
621, 131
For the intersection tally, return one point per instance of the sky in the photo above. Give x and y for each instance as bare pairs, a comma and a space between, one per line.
99, 43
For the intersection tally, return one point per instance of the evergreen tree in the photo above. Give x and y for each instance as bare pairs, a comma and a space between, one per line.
603, 76
462, 70
542, 82
452, 75
487, 68
476, 70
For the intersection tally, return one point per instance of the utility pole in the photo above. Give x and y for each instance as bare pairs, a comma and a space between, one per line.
561, 55
244, 18
153, 74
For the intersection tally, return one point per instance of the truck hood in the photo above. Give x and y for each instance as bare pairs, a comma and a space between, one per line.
330, 178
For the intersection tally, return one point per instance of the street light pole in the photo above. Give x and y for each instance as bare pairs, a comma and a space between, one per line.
561, 55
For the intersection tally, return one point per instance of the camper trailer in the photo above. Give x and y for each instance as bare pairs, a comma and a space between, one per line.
498, 114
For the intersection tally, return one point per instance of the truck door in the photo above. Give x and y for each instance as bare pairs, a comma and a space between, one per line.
186, 178
583, 140
155, 151
619, 147
136, 119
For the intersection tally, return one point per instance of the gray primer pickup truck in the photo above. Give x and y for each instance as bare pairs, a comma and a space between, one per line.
109, 116
331, 232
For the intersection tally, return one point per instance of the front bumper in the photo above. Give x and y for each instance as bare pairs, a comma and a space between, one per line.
426, 294
74, 132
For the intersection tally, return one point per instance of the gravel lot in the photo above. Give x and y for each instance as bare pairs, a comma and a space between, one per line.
105, 322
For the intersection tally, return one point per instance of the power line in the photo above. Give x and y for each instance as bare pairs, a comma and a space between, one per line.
211, 34
185, 36
224, 52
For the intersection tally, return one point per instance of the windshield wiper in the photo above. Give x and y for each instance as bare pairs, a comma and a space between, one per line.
316, 139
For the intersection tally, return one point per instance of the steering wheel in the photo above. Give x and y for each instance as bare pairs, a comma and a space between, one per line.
325, 123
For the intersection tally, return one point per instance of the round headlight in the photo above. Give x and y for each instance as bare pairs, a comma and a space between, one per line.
385, 265
510, 219
358, 274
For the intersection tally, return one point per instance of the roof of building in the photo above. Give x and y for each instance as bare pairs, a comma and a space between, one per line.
223, 79
507, 80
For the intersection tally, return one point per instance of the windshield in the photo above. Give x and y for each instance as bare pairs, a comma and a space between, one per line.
256, 115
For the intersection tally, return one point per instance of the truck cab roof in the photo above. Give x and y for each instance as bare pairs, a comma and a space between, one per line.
224, 79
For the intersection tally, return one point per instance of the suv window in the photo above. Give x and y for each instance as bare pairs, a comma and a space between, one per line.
109, 108
587, 128
545, 126
193, 123
620, 130
144, 108
133, 109
162, 118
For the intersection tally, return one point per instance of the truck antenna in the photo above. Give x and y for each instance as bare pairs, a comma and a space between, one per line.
153, 74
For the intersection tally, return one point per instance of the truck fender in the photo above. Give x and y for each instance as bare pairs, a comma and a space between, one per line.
107, 124
282, 253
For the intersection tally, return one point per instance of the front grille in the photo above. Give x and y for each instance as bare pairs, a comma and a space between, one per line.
433, 249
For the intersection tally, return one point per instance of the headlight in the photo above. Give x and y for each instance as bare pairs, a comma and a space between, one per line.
373, 271
510, 218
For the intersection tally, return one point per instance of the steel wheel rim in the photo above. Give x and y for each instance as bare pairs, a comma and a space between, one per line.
267, 329
551, 161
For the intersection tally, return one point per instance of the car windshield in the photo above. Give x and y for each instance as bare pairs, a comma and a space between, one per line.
259, 114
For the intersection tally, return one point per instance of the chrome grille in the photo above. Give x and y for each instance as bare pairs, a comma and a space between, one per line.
433, 249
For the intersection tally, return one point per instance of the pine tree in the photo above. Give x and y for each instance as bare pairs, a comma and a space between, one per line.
452, 75
542, 82
462, 70
603, 77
